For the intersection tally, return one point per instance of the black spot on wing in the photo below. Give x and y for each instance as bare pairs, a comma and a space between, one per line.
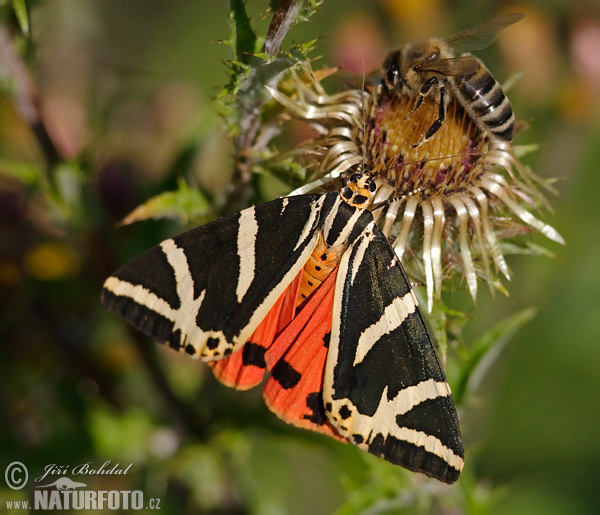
345, 412
314, 402
254, 355
212, 343
285, 374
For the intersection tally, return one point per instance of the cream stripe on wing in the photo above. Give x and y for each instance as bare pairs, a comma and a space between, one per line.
183, 277
407, 399
383, 421
393, 316
185, 316
342, 238
141, 295
315, 210
284, 203
261, 311
367, 236
246, 248
431, 444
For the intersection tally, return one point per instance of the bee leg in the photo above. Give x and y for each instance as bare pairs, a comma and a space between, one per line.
423, 92
435, 126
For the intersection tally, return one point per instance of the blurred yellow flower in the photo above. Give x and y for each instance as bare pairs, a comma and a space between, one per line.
52, 261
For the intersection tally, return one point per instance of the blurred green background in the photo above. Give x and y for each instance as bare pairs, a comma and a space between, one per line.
125, 90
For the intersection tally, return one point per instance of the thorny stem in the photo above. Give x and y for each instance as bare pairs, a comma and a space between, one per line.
281, 22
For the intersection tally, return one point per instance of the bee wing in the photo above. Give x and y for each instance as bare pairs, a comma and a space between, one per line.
481, 35
455, 67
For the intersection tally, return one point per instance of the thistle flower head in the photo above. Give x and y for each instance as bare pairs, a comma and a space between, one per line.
447, 200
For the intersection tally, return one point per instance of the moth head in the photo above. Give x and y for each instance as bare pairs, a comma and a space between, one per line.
358, 190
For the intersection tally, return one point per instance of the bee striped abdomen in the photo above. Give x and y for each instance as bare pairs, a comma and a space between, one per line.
483, 96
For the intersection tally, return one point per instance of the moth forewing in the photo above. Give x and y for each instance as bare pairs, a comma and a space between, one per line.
205, 291
384, 388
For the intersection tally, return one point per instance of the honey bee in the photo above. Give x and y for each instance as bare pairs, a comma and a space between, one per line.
427, 65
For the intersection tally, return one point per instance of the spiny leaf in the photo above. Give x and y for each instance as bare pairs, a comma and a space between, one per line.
529, 249
243, 39
253, 69
285, 169
25, 172
306, 9
182, 204
20, 10
437, 323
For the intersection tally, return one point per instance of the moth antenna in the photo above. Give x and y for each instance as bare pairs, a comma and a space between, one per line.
374, 209
352, 170
362, 107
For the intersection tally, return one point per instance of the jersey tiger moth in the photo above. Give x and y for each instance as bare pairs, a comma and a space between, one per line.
308, 289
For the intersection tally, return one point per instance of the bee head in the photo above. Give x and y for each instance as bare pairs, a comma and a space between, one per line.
391, 69
409, 66
358, 190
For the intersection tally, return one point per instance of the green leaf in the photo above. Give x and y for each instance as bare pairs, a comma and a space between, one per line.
203, 470
26, 173
306, 9
285, 169
183, 204
243, 39
251, 70
122, 436
64, 190
523, 150
20, 10
437, 323
486, 349
529, 248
